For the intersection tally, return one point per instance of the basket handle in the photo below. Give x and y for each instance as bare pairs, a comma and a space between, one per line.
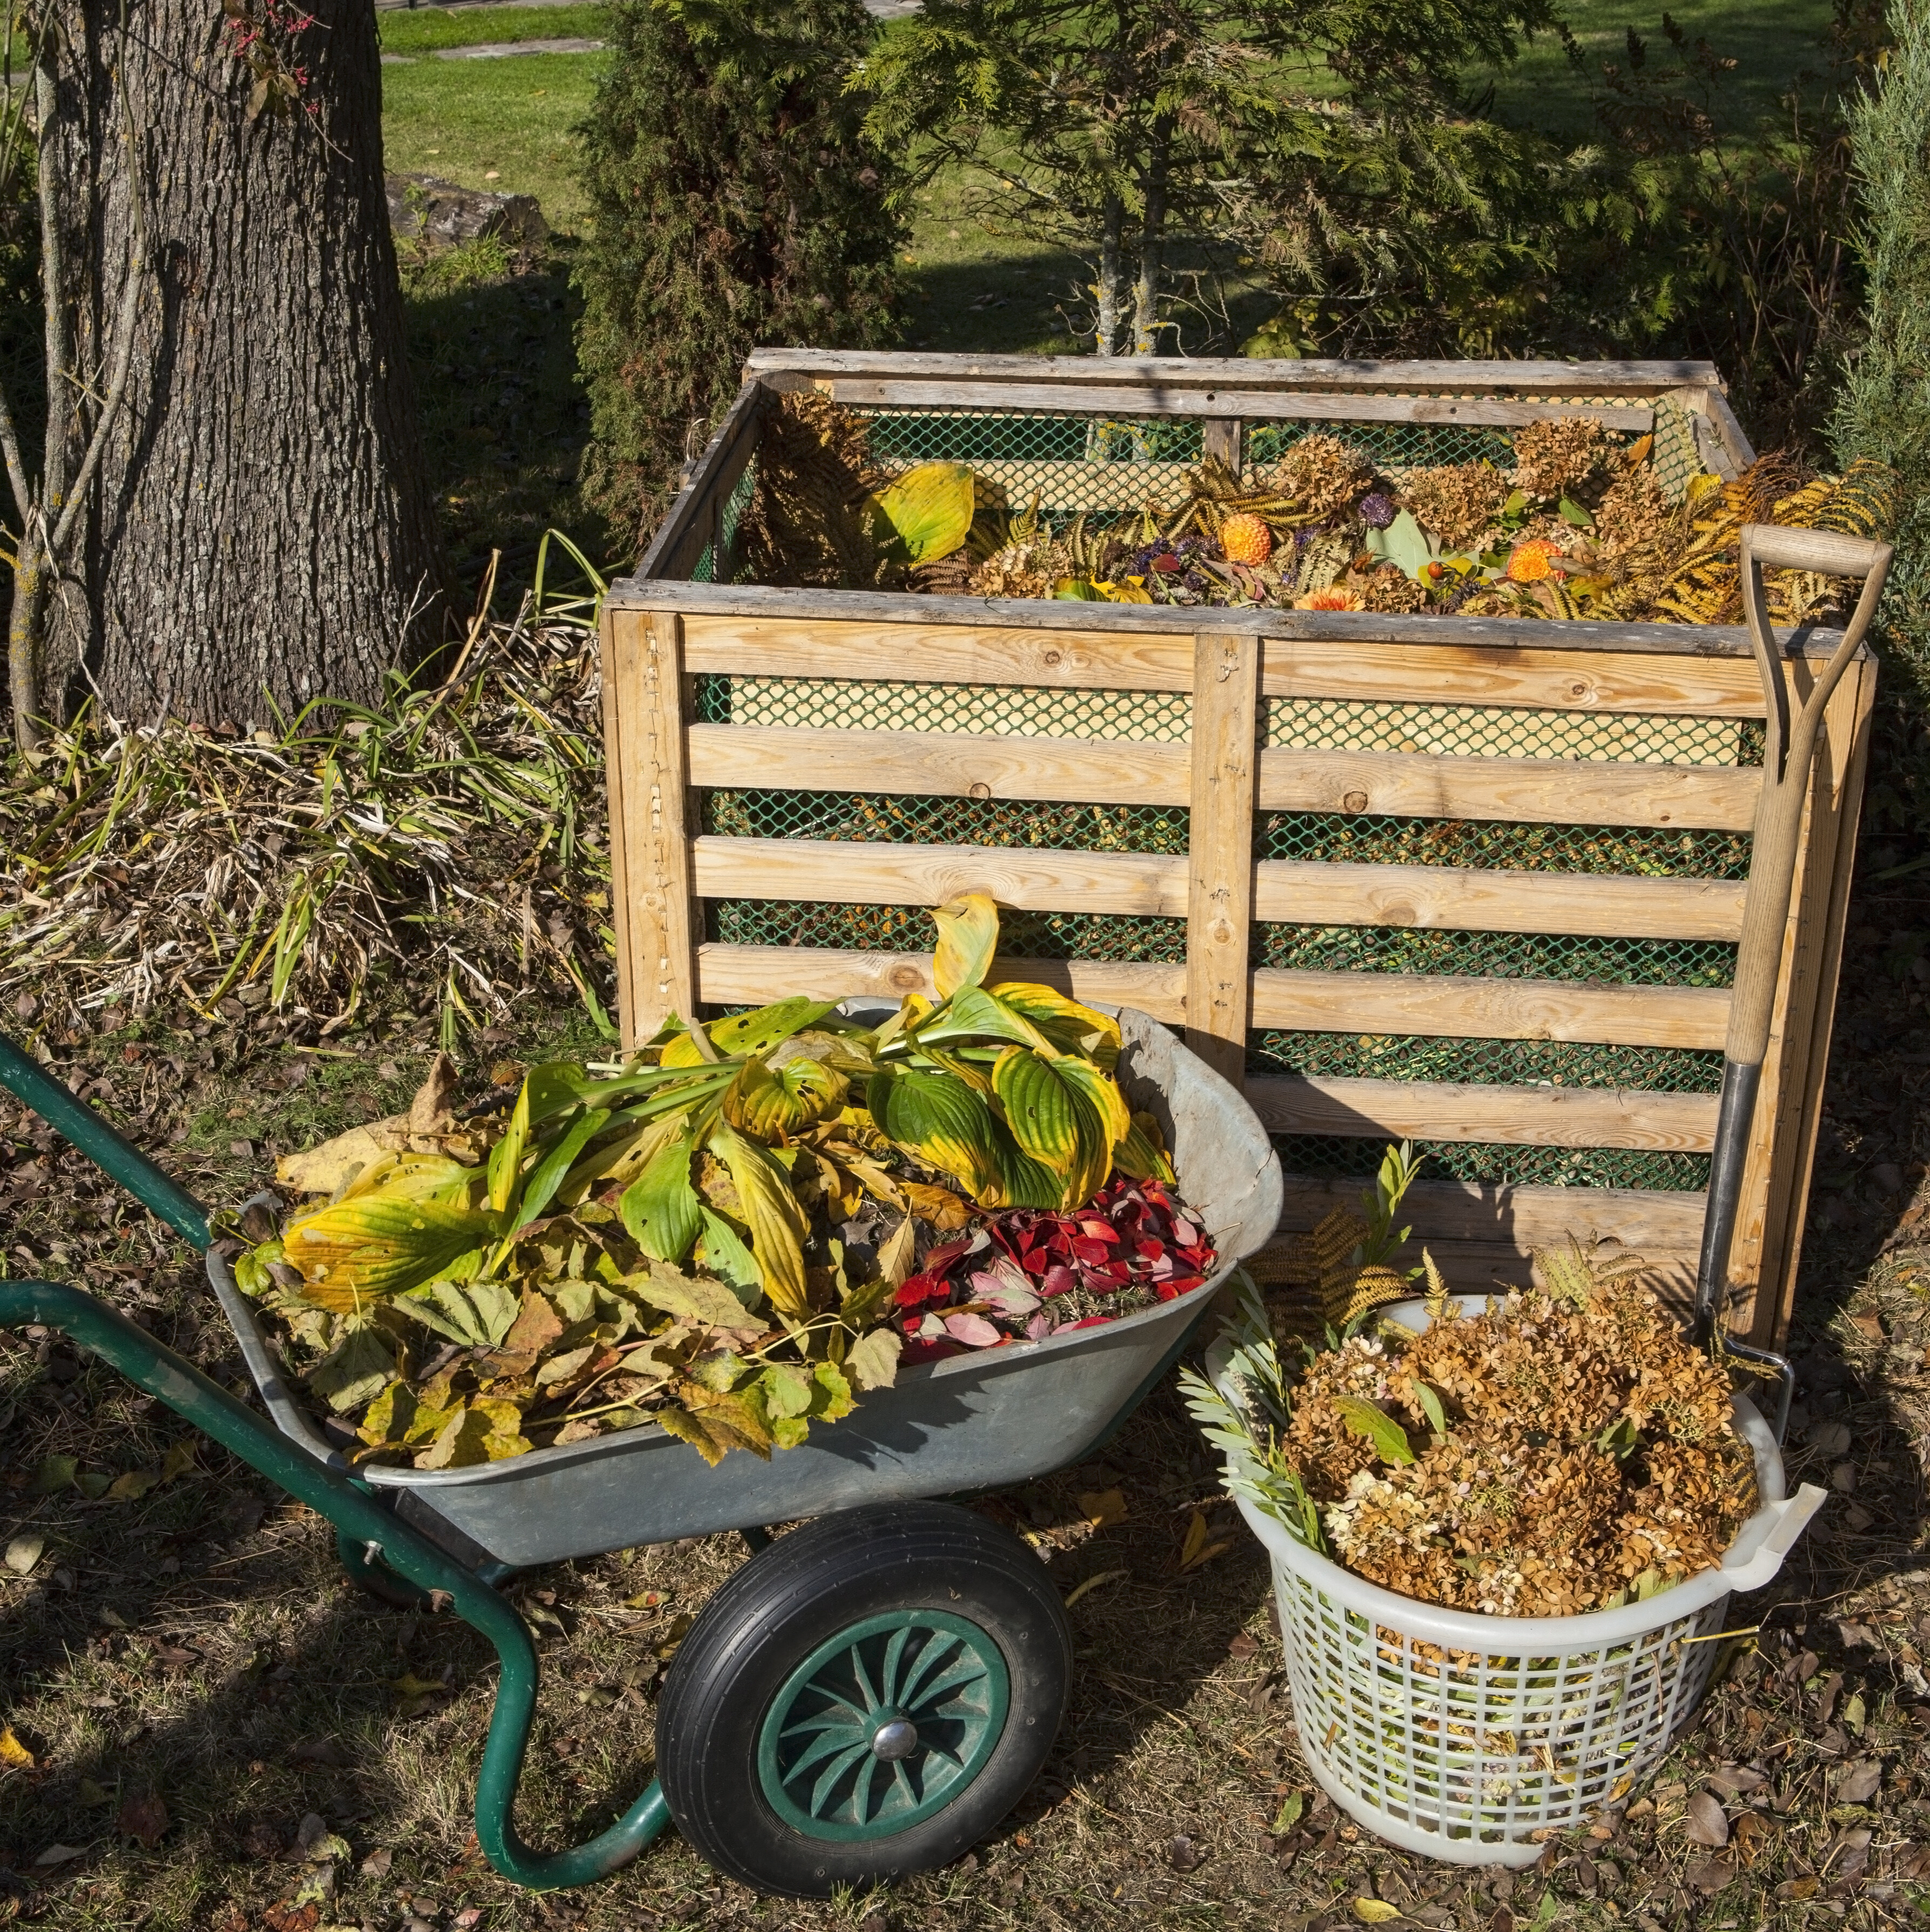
1793, 1518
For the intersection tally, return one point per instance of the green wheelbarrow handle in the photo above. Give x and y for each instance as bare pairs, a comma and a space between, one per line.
365, 1524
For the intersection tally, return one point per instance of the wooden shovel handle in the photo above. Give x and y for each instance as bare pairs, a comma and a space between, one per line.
1828, 552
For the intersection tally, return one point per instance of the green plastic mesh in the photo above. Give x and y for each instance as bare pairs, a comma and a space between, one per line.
1486, 1063
1143, 717
1610, 961
879, 817
1362, 839
1501, 1164
705, 569
1119, 937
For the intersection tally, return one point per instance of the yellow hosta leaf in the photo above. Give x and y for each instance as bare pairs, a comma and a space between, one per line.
776, 1220
12, 1753
749, 1033
968, 937
925, 513
1042, 1110
775, 1102
948, 1124
1141, 1153
1070, 1027
378, 1246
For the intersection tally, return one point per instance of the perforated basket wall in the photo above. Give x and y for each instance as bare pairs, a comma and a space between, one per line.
874, 710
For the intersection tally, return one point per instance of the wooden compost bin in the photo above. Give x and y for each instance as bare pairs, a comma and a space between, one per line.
1473, 882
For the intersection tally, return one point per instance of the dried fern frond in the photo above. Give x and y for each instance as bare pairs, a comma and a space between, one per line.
1577, 1274
1441, 1306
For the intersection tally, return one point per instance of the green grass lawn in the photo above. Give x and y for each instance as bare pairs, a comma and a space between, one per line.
415, 30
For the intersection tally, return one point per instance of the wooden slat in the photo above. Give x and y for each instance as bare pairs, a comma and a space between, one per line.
755, 975
1115, 771
1440, 1110
1542, 679
1029, 880
617, 633
654, 890
1550, 791
880, 616
1151, 399
1493, 1268
1238, 373
1644, 1220
1452, 1007
1219, 917
1314, 893
1094, 771
688, 524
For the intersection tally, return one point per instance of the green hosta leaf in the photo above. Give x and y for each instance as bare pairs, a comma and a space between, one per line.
377, 1246
753, 1033
777, 1223
1026, 1183
1365, 1418
660, 1208
1046, 1115
1431, 1407
968, 938
360, 1366
973, 1013
724, 1254
1070, 1027
769, 1102
925, 513
872, 1361
708, 1304
549, 1173
946, 1123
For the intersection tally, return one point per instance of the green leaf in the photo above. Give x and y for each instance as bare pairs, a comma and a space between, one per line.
777, 1223
660, 1208
973, 1013
944, 1121
872, 1361
377, 1246
1403, 544
724, 1254
708, 1304
787, 1391
1288, 1816
745, 1034
550, 1172
1048, 1119
1571, 512
768, 1102
478, 1314
968, 938
1365, 1418
1431, 1407
359, 1369
55, 1473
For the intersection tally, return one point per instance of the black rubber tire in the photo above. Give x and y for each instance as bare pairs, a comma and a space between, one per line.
774, 1612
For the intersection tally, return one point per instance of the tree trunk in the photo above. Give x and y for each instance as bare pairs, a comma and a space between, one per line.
262, 527
1151, 242
1112, 277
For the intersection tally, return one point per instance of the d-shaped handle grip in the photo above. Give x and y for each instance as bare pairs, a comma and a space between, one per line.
1828, 552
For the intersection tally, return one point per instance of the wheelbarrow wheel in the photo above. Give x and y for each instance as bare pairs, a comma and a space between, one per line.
866, 1700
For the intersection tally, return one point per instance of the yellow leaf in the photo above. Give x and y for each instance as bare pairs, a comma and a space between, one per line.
409, 1685
178, 1460
1104, 1507
1070, 1027
1196, 1550
769, 1102
12, 1753
1375, 1911
924, 513
132, 1487
379, 1246
968, 937
776, 1222
938, 1206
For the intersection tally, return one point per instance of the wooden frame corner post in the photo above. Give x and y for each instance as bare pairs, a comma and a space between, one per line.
1220, 872
649, 761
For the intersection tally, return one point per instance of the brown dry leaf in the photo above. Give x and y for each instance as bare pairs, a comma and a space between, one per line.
1857, 1784
1705, 1821
1102, 1508
1196, 1550
938, 1207
429, 1112
1710, 1876
131, 1487
1747, 1838
144, 1816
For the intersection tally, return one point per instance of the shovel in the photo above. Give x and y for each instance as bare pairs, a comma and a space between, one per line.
1788, 752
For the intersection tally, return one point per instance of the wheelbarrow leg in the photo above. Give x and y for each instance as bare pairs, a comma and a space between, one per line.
373, 1531
1789, 751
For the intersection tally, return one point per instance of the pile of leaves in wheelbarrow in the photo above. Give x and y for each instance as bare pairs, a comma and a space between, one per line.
735, 1235
1564, 1450
1577, 525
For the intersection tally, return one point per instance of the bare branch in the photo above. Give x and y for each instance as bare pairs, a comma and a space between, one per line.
122, 366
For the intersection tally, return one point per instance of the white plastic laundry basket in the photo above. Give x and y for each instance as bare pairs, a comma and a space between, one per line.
1474, 1738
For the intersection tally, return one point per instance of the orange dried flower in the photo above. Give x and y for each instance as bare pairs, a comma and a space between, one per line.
1533, 561
1246, 539
1335, 599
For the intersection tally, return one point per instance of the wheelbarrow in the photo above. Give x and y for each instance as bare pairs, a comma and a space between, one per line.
871, 1693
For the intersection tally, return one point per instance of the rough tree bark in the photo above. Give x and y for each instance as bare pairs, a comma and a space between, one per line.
263, 522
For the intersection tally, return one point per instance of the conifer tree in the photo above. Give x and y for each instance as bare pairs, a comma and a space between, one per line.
736, 200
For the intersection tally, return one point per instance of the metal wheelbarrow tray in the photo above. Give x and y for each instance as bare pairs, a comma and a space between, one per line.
870, 1694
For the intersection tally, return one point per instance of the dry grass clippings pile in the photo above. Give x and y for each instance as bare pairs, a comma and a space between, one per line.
1559, 1453
1578, 527
737, 1234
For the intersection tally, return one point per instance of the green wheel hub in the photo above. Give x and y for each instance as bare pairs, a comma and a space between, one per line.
883, 1725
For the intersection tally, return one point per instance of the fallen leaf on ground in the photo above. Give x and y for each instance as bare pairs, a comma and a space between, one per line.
1288, 1816
58, 1854
1183, 1855
1196, 1550
1857, 1784
1104, 1507
178, 1460
376, 1864
143, 1817
1710, 1876
466, 1917
91, 1793
320, 1750
132, 1487
1375, 1911
1746, 1836
12, 1753
93, 1484
113, 1618
55, 1473
1092, 1583
1705, 1821
174, 1660
1797, 1888
23, 1553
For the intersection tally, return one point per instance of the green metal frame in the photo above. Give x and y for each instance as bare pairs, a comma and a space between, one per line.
370, 1539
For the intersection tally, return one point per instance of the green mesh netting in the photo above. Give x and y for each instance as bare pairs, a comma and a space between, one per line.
1497, 1164
1121, 937
1361, 838
1485, 1063
854, 704
1606, 959
705, 569
877, 817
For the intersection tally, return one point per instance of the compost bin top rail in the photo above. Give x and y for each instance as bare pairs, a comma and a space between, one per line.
1127, 621
1236, 373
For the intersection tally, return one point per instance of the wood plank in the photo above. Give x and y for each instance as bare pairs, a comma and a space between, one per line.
1493, 1268
882, 614
1241, 372
1094, 771
691, 510
755, 975
1735, 438
1440, 1005
1441, 1110
1552, 791
618, 634
1224, 436
1316, 892
1219, 904
1644, 1220
1156, 399
659, 909
845, 872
